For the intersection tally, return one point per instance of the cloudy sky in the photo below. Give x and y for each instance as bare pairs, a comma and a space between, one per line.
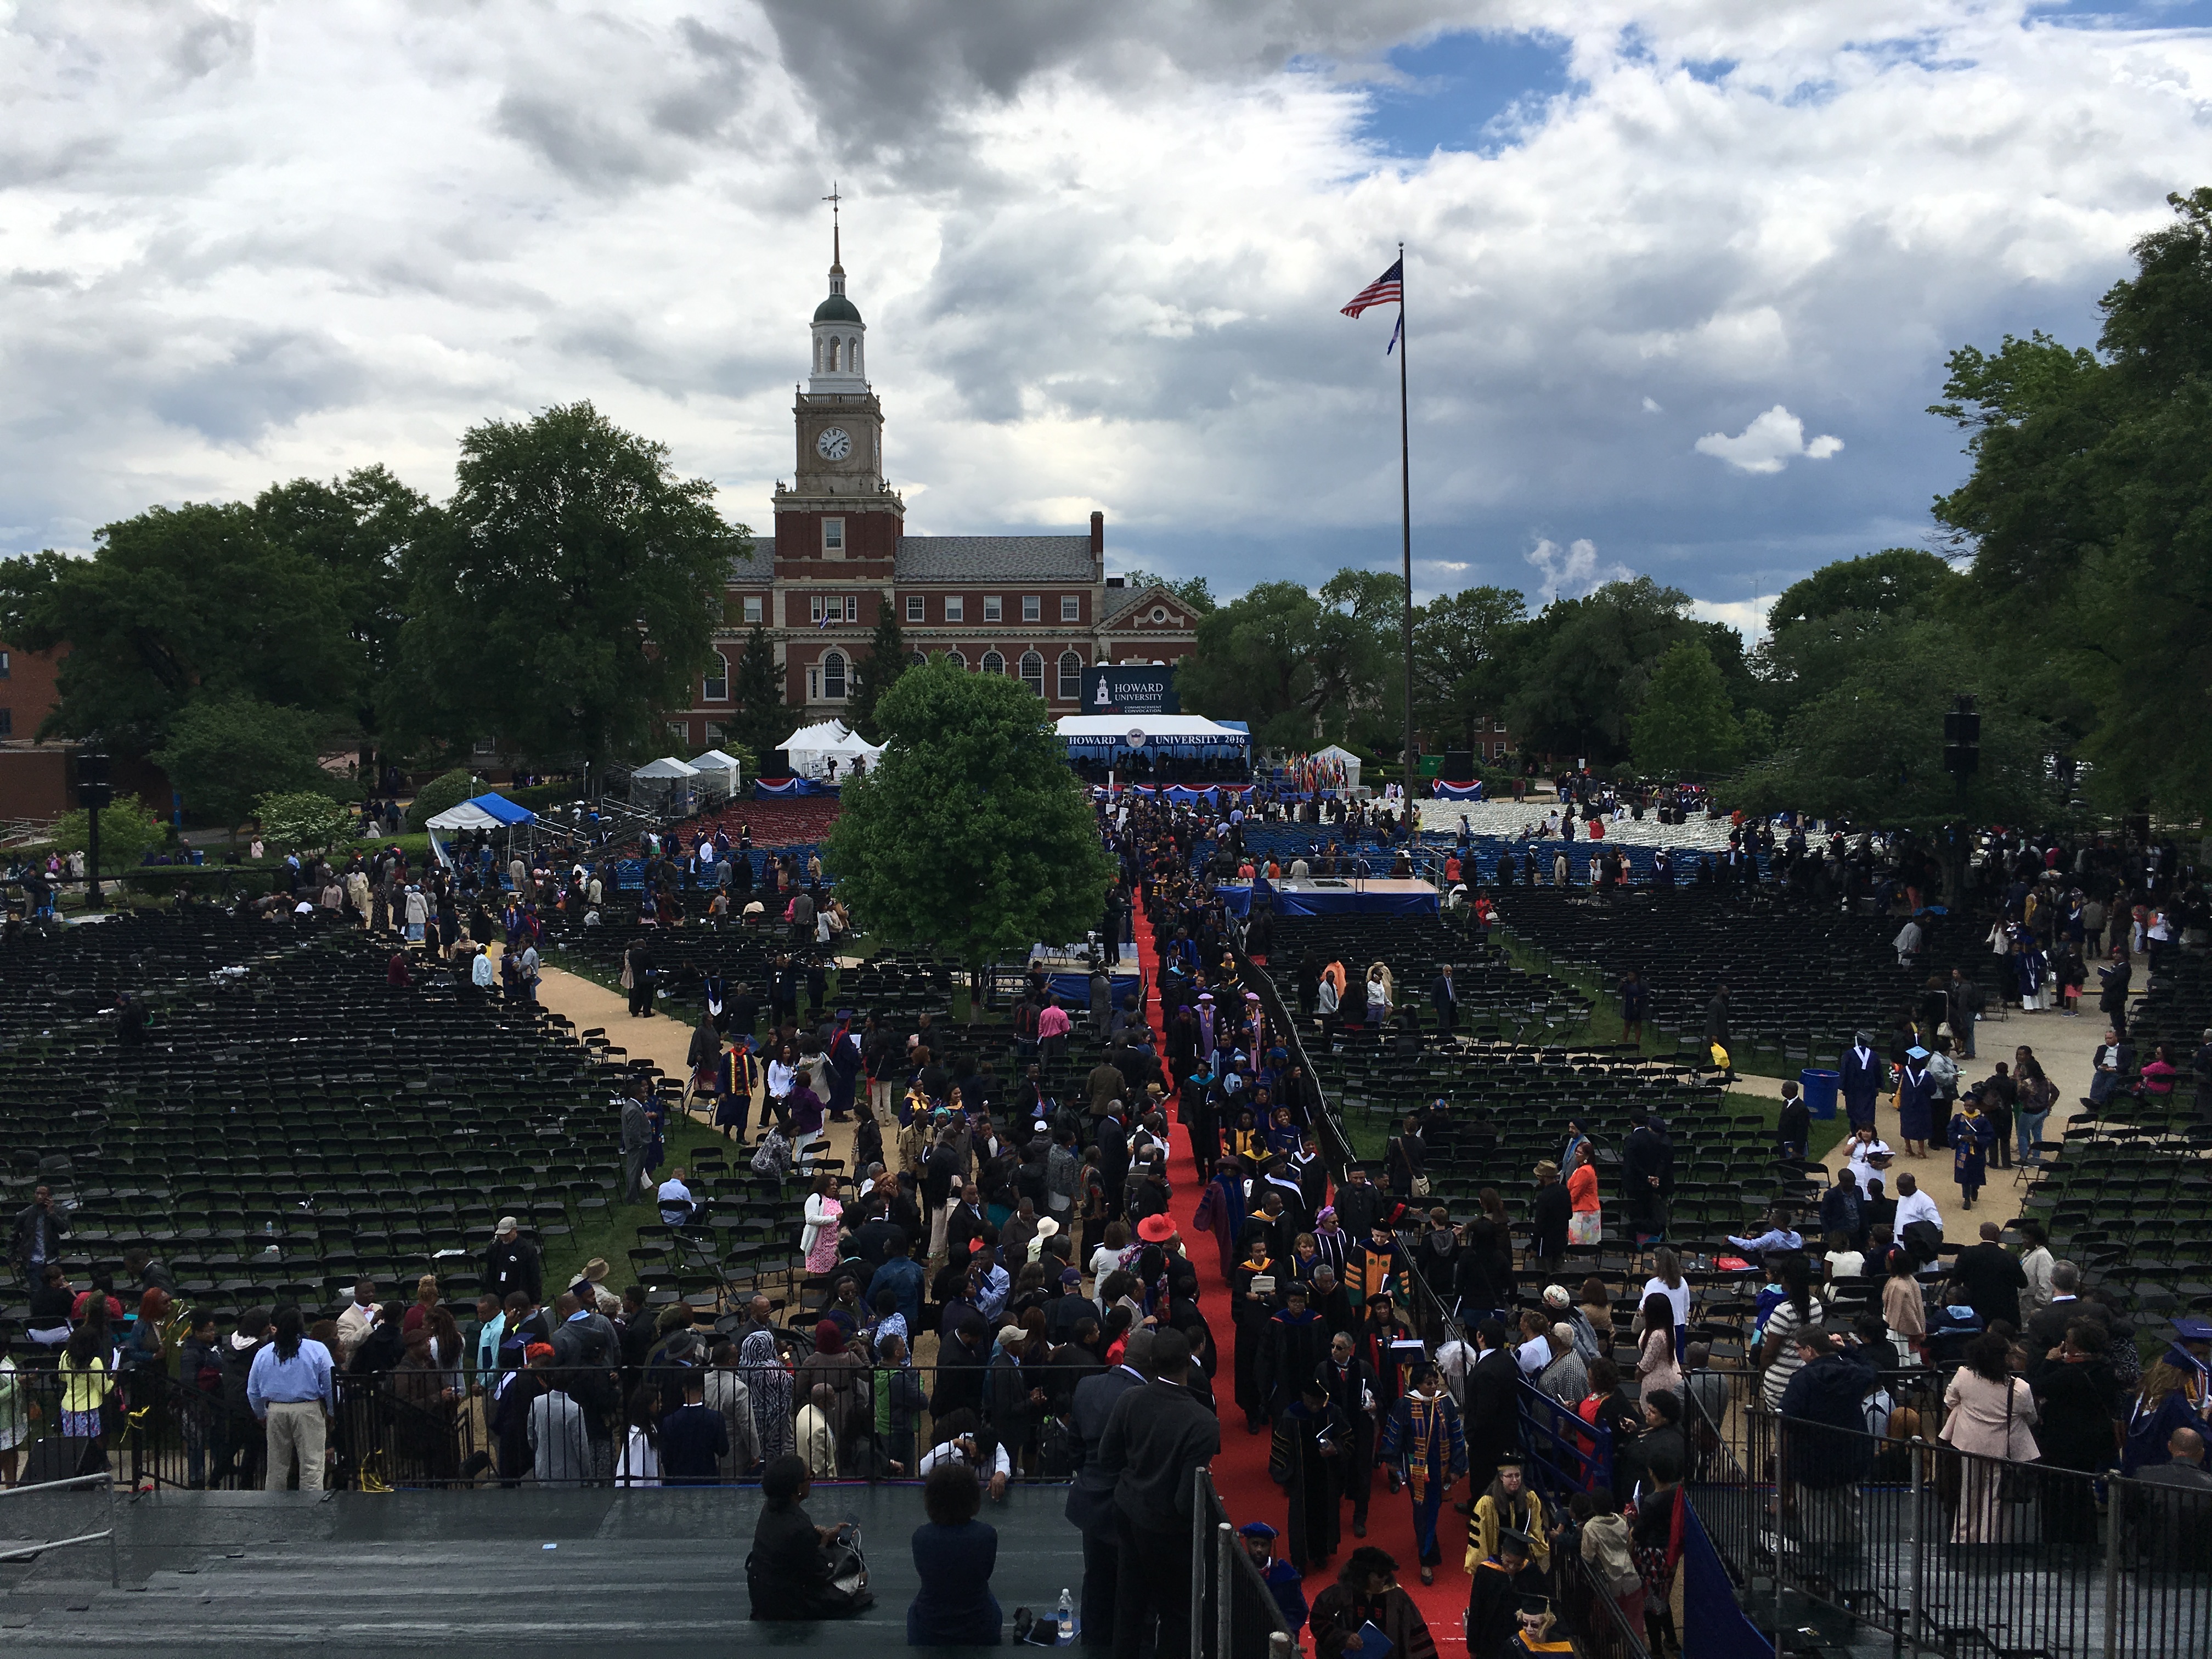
1682, 273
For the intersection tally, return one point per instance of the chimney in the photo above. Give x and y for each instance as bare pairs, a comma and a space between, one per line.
1098, 539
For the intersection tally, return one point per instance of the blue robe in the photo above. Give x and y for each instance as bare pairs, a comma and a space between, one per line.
1422, 1439
1916, 1104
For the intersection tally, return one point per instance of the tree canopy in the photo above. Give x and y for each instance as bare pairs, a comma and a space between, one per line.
567, 597
1686, 727
759, 719
971, 834
224, 753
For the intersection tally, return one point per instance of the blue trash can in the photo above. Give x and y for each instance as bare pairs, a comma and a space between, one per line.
1819, 1089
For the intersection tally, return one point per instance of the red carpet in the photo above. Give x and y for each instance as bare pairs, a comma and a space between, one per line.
1240, 1474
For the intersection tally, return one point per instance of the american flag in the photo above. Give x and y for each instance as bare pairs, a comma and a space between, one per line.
1389, 286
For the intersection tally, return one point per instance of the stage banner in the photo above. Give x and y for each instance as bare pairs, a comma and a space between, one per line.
1442, 791
1130, 691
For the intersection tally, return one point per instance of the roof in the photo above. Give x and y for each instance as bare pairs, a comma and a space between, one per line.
1120, 602
837, 309
666, 767
993, 558
715, 761
483, 813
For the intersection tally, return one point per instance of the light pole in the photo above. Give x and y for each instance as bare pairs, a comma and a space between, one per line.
93, 792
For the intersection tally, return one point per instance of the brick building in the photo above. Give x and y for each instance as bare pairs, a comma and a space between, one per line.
1041, 608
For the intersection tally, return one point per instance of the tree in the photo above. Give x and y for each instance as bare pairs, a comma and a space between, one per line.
1460, 645
1581, 666
1193, 590
360, 530
225, 753
177, 603
1822, 628
128, 829
971, 834
1292, 664
1870, 748
303, 819
759, 721
1686, 727
2087, 515
567, 597
874, 673
446, 791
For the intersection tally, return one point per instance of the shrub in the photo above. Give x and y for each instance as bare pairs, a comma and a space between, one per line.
445, 790
127, 829
303, 819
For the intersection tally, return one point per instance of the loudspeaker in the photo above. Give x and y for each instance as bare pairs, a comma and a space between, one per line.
1459, 765
778, 763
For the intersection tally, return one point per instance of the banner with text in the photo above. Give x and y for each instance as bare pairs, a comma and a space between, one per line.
1130, 691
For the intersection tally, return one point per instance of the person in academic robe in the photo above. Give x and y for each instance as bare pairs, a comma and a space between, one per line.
1499, 1583
1294, 1342
1366, 1591
1916, 1102
1423, 1442
1507, 1507
1306, 1459
1860, 1080
1251, 1305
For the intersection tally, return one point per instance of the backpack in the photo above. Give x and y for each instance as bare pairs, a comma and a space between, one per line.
1060, 1453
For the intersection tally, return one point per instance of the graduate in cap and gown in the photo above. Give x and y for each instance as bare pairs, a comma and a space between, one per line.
1421, 1439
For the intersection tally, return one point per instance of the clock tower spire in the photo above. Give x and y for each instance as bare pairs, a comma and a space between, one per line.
838, 520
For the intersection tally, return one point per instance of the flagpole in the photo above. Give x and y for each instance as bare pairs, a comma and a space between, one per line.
1406, 515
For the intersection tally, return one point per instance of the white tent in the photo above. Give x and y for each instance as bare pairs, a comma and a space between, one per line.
1347, 760
717, 773
666, 782
812, 748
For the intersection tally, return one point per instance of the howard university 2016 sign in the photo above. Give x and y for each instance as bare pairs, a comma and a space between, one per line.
1130, 691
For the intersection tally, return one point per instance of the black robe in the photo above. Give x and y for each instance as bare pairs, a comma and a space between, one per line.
1312, 1478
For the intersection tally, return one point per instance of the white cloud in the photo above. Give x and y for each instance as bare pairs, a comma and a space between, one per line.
1100, 251
1571, 571
1747, 617
1770, 443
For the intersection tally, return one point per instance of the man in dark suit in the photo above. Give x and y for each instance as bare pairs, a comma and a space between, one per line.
1091, 1497
1492, 1417
1445, 996
1990, 1278
1158, 1438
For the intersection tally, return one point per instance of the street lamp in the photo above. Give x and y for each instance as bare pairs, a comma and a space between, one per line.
93, 792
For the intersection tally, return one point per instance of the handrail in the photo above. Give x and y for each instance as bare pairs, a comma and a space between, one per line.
25, 1551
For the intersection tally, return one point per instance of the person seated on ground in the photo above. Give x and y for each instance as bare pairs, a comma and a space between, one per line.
954, 1554
788, 1575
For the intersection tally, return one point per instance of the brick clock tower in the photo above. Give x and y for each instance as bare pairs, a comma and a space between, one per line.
839, 522
1040, 608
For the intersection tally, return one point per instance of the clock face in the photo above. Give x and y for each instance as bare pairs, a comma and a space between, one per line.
833, 444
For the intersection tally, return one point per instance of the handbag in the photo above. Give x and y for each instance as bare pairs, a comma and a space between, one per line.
1420, 1187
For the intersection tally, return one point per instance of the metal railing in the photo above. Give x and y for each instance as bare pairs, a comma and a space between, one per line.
1951, 1550
27, 1551
1233, 1614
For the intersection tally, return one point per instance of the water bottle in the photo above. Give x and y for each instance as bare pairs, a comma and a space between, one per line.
1066, 1617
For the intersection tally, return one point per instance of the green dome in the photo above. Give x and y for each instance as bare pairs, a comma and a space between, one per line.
837, 309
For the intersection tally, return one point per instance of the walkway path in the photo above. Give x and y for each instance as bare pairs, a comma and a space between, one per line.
1240, 1472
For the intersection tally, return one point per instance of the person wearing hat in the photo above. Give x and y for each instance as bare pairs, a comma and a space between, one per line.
1861, 1079
1306, 1458
2176, 1394
1292, 1345
1916, 1102
1283, 1580
591, 1291
1539, 1631
1549, 1215
512, 1264
1502, 1582
1366, 1591
1507, 1507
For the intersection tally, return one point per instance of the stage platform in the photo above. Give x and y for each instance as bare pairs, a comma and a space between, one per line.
596, 1574
1339, 896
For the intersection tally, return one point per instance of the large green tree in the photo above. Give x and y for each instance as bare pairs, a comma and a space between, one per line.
1822, 628
225, 753
1687, 726
1460, 643
1193, 590
759, 719
971, 834
359, 530
1293, 664
1580, 668
176, 604
567, 598
1869, 747
2089, 513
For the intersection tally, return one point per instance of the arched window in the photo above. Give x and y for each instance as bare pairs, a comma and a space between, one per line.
918, 658
1033, 671
716, 687
956, 658
853, 356
833, 675
1071, 677
993, 662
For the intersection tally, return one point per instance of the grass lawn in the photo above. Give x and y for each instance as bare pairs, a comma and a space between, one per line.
613, 1232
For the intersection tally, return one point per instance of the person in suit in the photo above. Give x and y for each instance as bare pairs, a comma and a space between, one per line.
1157, 1438
1445, 995
1090, 1496
1492, 1418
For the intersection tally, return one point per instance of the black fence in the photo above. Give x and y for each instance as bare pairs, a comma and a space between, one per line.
1953, 1550
1245, 1623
